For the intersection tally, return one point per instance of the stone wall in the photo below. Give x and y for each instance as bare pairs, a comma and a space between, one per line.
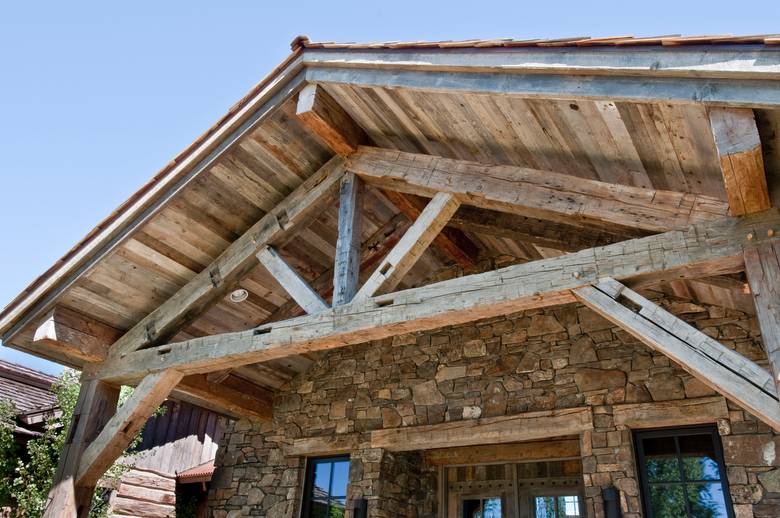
537, 360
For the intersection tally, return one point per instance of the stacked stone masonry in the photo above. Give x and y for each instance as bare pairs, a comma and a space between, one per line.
556, 358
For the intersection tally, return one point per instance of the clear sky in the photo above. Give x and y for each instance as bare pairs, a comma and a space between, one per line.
95, 97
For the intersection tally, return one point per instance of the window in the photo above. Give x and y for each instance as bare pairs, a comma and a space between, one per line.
682, 474
482, 507
325, 492
557, 506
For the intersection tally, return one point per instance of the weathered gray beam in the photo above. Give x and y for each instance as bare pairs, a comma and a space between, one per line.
346, 270
534, 193
762, 265
742, 93
295, 285
704, 249
714, 364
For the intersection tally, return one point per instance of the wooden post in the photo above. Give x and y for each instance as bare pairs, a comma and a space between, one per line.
762, 265
96, 404
347, 263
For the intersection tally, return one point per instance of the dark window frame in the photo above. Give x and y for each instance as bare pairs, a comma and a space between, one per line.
675, 433
308, 486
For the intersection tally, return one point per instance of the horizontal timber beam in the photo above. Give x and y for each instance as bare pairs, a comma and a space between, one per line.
234, 262
68, 330
704, 249
534, 193
528, 426
715, 365
745, 93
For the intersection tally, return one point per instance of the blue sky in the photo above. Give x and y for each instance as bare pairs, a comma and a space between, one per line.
95, 97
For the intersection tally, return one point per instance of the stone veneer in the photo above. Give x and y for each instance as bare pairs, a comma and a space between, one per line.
536, 360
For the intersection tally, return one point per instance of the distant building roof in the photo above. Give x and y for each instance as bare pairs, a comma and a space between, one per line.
201, 473
28, 389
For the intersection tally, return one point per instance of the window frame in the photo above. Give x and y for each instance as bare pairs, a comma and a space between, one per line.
675, 433
308, 484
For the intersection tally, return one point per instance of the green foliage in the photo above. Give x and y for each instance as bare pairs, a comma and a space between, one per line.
33, 477
9, 451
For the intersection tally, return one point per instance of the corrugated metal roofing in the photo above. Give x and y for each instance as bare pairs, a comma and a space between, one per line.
28, 389
578, 41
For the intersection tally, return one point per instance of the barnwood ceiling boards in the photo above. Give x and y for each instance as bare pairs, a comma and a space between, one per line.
534, 193
233, 263
708, 248
717, 366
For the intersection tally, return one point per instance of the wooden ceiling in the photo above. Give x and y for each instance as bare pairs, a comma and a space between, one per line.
661, 146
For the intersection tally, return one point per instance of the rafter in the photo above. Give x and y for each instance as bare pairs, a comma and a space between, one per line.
239, 258
411, 247
703, 249
717, 366
535, 193
739, 148
295, 285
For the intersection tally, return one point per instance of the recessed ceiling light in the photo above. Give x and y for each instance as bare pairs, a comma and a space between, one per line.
239, 295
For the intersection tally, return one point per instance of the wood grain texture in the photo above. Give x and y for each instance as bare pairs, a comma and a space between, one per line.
504, 452
346, 270
741, 159
326, 119
535, 193
715, 247
684, 412
128, 420
717, 366
412, 245
762, 265
232, 264
290, 280
528, 426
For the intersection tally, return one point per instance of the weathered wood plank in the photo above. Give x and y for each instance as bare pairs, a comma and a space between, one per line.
717, 366
762, 265
128, 420
504, 452
223, 399
452, 241
346, 270
491, 430
684, 412
409, 249
219, 277
535, 193
81, 340
741, 160
704, 249
326, 445
760, 93
295, 285
328, 120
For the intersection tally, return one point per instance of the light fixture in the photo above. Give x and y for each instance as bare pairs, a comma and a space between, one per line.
239, 295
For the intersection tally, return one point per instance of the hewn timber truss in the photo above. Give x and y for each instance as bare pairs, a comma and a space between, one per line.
695, 238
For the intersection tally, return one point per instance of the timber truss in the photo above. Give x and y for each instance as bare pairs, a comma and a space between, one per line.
672, 236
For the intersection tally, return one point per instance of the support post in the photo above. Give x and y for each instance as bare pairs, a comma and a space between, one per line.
347, 263
95, 405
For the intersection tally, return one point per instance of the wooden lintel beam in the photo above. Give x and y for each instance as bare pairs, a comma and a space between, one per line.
238, 259
534, 193
327, 119
80, 339
128, 420
762, 265
295, 285
741, 160
528, 426
451, 241
346, 270
722, 369
704, 249
410, 248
